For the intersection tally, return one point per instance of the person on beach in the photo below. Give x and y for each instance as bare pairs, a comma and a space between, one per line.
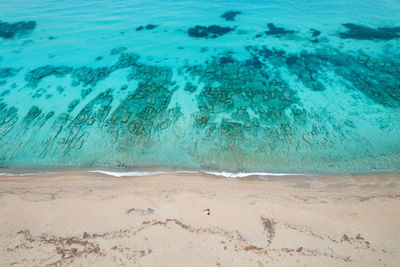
207, 211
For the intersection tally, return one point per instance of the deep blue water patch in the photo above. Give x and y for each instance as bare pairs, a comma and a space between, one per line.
230, 15
212, 31
359, 32
11, 30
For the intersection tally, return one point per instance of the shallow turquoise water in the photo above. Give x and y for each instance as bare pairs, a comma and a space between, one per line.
278, 86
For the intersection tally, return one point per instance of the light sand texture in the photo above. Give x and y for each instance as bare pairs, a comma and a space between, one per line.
80, 219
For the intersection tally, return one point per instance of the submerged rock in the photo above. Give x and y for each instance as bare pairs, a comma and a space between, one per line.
147, 27
190, 87
230, 15
49, 115
33, 113
212, 31
11, 30
315, 33
7, 72
35, 75
89, 76
72, 105
277, 31
201, 119
150, 26
359, 32
118, 50
125, 60
60, 89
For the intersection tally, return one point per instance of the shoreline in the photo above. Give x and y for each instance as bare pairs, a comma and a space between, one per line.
154, 171
76, 218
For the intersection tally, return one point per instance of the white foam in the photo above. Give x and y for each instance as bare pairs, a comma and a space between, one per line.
24, 174
137, 173
247, 174
225, 174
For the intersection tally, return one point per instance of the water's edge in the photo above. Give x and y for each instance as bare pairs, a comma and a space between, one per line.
129, 172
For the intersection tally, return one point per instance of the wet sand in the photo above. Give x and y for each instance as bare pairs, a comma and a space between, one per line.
81, 219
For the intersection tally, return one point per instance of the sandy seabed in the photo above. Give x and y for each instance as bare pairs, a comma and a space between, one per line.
87, 219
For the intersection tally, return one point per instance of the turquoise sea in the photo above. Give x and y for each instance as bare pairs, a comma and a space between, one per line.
273, 86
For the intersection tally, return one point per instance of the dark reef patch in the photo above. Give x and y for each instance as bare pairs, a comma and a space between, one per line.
118, 50
151, 26
89, 76
254, 62
7, 72
85, 75
190, 87
72, 105
226, 59
230, 15
212, 31
33, 113
277, 31
86, 92
35, 75
304, 65
359, 32
147, 27
315, 33
6, 92
291, 59
10, 30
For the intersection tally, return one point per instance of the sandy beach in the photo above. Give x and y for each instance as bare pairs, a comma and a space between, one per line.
82, 219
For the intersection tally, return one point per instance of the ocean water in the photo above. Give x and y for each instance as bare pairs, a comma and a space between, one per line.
225, 86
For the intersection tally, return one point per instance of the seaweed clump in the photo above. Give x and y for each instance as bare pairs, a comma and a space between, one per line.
359, 32
230, 15
212, 31
10, 30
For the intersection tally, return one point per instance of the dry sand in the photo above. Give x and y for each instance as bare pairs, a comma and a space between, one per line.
78, 219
